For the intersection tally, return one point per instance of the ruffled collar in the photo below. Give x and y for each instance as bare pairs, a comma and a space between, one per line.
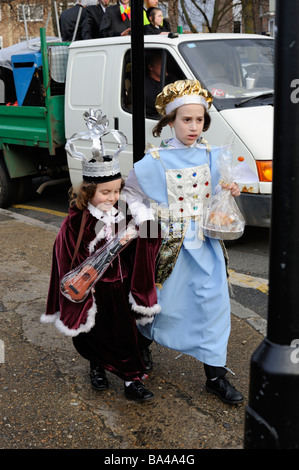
174, 142
108, 217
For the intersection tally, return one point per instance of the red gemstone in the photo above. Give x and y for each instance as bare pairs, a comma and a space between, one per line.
181, 198
207, 195
206, 183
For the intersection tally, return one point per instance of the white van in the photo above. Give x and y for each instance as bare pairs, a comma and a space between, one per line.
238, 69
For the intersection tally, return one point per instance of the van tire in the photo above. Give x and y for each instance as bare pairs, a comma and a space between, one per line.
7, 186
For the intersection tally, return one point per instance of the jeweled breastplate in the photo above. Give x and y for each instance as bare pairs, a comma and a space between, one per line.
188, 190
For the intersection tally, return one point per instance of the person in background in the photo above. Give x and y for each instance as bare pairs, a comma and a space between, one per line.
93, 18
68, 19
155, 17
117, 20
153, 84
153, 4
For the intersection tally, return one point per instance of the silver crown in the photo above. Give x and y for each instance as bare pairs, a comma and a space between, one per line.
99, 164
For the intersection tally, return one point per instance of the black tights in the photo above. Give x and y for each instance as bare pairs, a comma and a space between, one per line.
143, 342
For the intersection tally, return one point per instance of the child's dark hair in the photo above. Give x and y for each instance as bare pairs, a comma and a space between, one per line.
84, 193
165, 120
151, 13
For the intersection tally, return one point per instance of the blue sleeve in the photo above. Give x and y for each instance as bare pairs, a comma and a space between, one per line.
151, 178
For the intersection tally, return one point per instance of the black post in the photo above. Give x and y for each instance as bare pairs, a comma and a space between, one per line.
138, 95
272, 415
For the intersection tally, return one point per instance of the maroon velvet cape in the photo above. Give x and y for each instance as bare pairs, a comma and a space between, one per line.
103, 327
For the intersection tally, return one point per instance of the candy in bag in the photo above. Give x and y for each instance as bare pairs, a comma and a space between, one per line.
223, 219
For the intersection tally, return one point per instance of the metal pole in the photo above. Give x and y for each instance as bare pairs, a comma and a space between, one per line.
25, 24
57, 20
138, 102
272, 414
77, 24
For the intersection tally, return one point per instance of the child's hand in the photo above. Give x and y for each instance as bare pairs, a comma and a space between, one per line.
233, 188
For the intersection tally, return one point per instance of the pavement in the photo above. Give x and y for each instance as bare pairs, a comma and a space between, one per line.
45, 393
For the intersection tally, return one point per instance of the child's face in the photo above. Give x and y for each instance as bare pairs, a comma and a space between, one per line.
189, 122
158, 19
106, 195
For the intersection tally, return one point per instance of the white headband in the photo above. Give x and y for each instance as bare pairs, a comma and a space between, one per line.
186, 99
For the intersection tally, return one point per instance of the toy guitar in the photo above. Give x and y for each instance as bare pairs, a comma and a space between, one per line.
77, 284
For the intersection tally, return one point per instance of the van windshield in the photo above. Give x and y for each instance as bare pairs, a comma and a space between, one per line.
238, 72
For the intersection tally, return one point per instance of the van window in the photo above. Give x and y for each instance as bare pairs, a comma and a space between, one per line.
88, 65
160, 69
234, 70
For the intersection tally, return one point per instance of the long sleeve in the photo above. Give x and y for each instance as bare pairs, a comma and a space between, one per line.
137, 201
143, 295
87, 27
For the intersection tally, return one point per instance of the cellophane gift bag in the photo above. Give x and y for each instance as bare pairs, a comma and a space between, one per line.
223, 219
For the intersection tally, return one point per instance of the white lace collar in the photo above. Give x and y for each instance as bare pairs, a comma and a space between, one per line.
113, 215
108, 218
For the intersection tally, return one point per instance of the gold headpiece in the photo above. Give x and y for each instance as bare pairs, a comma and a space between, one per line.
182, 92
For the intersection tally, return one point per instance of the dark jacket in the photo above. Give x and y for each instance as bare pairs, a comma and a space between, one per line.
67, 23
150, 29
112, 23
92, 22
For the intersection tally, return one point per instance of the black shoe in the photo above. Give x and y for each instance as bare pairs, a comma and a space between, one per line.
147, 359
98, 378
137, 391
224, 390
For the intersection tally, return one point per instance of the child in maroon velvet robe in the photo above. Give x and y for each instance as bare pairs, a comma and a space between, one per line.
103, 326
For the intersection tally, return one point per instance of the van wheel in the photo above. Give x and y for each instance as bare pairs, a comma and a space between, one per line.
7, 186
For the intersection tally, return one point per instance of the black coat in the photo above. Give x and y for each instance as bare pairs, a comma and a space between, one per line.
112, 23
150, 29
67, 23
92, 22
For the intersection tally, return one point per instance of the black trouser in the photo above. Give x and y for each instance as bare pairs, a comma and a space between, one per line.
210, 371
143, 342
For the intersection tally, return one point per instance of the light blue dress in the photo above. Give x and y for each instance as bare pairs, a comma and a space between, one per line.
194, 299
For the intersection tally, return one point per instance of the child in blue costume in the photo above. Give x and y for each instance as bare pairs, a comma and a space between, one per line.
190, 271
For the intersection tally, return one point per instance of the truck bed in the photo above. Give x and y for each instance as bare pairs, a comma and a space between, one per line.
33, 126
